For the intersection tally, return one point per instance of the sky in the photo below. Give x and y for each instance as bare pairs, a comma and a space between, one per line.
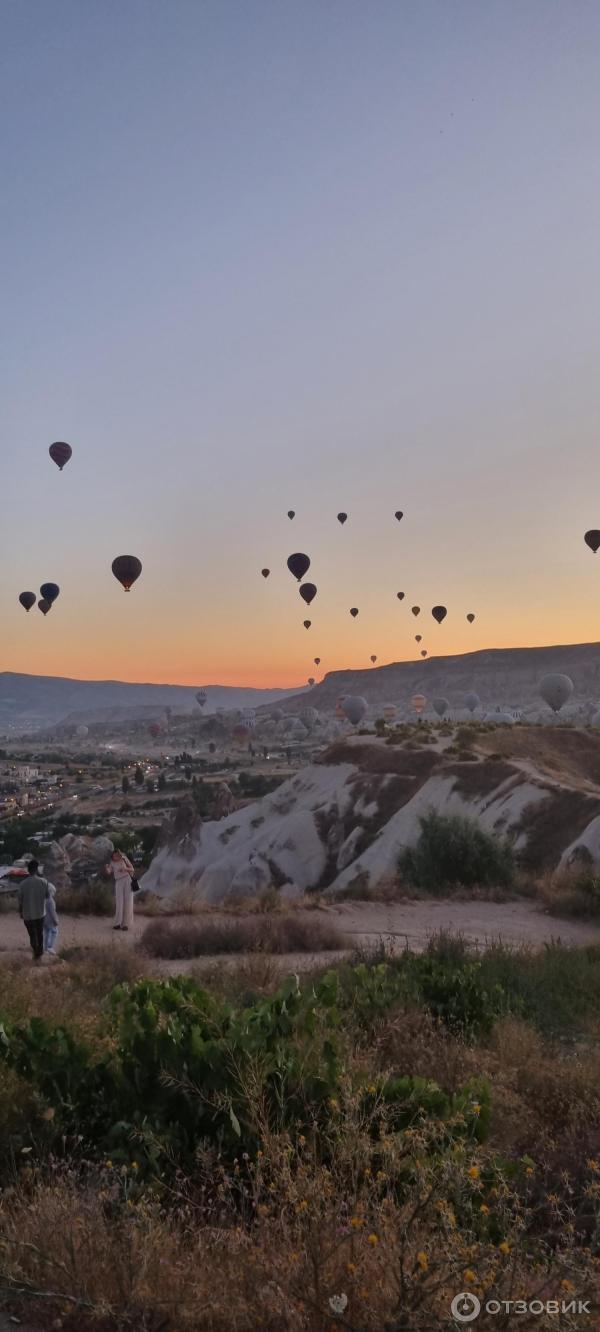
259, 255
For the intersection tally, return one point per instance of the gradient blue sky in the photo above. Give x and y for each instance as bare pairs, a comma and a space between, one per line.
320, 255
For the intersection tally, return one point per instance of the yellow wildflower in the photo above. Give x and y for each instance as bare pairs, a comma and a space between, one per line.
303, 1206
356, 1222
351, 1268
484, 1208
470, 1276
474, 1172
134, 1165
567, 1286
422, 1260
504, 1247
372, 1240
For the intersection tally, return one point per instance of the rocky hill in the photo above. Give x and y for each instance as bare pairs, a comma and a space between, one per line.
504, 677
343, 821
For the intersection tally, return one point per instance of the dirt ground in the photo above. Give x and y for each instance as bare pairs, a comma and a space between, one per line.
399, 924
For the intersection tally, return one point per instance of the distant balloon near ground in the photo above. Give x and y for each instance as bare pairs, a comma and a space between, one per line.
298, 564
389, 712
354, 612
439, 613
201, 697
154, 730
49, 592
60, 453
27, 599
592, 539
126, 569
472, 702
470, 617
44, 606
398, 515
418, 703
355, 708
556, 690
308, 592
441, 705
342, 518
82, 731
265, 572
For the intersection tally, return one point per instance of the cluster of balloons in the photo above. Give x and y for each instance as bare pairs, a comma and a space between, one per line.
126, 568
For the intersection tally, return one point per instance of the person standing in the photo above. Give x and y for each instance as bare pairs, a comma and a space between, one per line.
122, 871
50, 921
33, 894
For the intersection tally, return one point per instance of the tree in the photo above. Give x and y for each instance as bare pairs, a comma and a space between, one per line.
162, 781
125, 785
149, 785
188, 774
139, 776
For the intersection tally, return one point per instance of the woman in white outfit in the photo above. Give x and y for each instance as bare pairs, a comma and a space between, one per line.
122, 871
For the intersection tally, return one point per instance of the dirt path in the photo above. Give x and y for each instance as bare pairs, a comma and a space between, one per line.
399, 924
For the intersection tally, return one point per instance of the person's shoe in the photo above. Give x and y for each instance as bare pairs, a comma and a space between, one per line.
124, 927
117, 927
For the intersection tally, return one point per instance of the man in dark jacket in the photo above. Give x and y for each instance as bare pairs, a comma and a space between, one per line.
33, 892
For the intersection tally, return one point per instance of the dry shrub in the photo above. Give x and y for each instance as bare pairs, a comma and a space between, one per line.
573, 891
97, 900
416, 1043
294, 932
69, 990
243, 980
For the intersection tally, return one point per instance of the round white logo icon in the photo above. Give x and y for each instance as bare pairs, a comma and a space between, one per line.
465, 1307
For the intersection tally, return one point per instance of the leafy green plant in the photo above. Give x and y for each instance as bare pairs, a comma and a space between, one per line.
453, 851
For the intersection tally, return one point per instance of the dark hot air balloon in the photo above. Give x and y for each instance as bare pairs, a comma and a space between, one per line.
439, 613
291, 513
400, 596
27, 599
592, 539
307, 623
154, 729
265, 572
423, 653
308, 592
317, 661
354, 612
416, 610
49, 592
418, 638
44, 606
342, 518
373, 659
311, 680
398, 514
60, 453
470, 617
126, 568
298, 564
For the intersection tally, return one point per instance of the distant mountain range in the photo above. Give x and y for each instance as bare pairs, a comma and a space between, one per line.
505, 677
32, 702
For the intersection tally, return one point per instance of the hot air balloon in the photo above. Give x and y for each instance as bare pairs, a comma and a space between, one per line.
317, 661
307, 623
556, 690
126, 569
201, 697
49, 591
470, 617
416, 610
472, 702
241, 733
265, 572
339, 705
342, 518
592, 539
27, 599
389, 712
398, 514
60, 453
400, 596
82, 731
308, 592
418, 703
500, 718
354, 612
423, 652
373, 659
418, 638
441, 706
355, 708
291, 513
439, 613
154, 729
44, 606
298, 564
311, 680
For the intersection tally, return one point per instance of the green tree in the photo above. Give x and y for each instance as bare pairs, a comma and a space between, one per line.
162, 781
138, 776
125, 785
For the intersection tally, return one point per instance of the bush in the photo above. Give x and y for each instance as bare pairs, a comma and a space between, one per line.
454, 852
85, 901
572, 893
293, 933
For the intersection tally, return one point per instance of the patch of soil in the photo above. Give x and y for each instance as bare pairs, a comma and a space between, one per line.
375, 759
480, 779
552, 824
570, 755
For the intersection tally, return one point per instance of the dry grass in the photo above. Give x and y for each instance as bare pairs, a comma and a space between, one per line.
570, 892
294, 932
